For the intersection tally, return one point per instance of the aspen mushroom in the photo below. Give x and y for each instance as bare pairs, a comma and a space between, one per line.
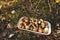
26, 19
27, 27
40, 30
35, 29
23, 26
21, 22
42, 23
45, 30
39, 22
35, 21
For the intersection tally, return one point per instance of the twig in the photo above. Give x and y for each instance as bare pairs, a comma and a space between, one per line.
38, 3
49, 6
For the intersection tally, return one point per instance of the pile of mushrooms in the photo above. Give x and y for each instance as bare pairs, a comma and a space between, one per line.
34, 25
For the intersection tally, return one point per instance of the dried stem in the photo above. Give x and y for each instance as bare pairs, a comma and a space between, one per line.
38, 3
50, 10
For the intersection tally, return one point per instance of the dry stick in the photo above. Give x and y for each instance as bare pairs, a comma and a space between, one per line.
57, 8
38, 3
50, 10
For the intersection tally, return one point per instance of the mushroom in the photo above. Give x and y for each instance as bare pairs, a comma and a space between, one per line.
42, 23
35, 29
36, 21
27, 27
26, 19
40, 30
45, 30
